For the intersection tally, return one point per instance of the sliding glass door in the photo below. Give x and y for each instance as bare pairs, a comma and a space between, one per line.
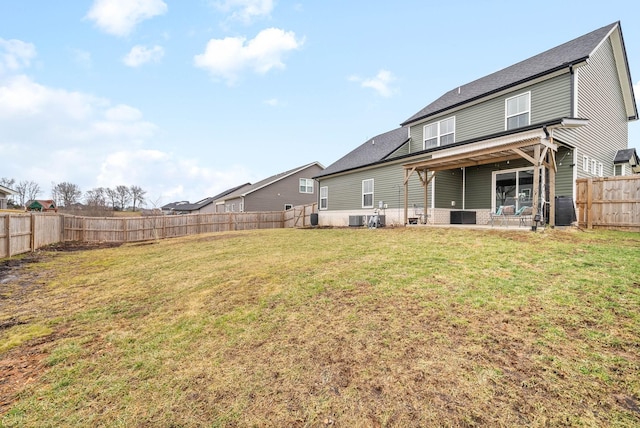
513, 187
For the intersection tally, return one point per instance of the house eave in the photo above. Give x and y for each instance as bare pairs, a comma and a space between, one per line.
548, 74
515, 134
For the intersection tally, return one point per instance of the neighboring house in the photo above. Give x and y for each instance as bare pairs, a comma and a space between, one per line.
203, 206
520, 136
5, 192
41, 205
276, 193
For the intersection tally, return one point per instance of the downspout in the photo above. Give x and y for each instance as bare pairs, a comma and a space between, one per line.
572, 90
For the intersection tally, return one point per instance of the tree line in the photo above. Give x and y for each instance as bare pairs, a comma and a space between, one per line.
68, 195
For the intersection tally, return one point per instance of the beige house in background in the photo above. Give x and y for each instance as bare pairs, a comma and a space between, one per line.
5, 192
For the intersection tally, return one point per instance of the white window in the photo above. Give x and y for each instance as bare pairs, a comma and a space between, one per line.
585, 163
601, 170
306, 185
324, 197
594, 167
367, 193
517, 111
618, 169
440, 133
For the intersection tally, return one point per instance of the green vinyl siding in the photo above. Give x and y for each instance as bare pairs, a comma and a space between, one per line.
448, 188
345, 191
550, 99
478, 187
601, 101
564, 174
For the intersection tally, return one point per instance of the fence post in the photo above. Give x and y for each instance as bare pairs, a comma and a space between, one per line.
589, 203
7, 234
32, 240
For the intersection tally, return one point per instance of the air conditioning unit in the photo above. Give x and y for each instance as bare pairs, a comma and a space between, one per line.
356, 221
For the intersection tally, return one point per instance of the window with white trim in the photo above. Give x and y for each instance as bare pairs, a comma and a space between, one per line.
367, 193
594, 167
440, 133
306, 185
324, 197
518, 111
600, 170
618, 169
585, 163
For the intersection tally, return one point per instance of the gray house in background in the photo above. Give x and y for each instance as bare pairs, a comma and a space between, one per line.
206, 205
5, 192
519, 137
276, 193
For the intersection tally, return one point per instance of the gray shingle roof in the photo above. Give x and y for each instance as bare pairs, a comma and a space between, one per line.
557, 58
373, 150
626, 155
267, 181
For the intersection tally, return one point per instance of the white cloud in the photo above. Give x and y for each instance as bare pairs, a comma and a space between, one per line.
246, 10
228, 57
139, 55
15, 55
273, 102
119, 17
380, 83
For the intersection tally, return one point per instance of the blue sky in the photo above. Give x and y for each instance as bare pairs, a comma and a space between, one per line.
188, 98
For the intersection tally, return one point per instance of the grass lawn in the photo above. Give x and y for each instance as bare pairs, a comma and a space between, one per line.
327, 327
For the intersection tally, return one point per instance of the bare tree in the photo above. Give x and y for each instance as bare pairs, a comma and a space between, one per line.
112, 196
7, 182
66, 194
124, 196
137, 195
96, 198
27, 191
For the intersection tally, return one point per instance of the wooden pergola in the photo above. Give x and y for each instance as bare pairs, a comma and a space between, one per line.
534, 146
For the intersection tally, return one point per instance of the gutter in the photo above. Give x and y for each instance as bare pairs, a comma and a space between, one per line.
497, 90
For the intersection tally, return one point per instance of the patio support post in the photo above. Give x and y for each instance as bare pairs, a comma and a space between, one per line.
552, 188
406, 196
426, 195
536, 182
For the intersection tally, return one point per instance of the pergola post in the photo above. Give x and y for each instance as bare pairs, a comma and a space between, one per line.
407, 173
536, 183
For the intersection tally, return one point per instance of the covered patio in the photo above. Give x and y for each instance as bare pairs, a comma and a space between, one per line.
534, 146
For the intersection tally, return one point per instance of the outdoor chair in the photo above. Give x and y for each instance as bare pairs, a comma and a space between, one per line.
497, 215
524, 215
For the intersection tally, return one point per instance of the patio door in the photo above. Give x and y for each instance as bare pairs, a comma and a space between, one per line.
513, 187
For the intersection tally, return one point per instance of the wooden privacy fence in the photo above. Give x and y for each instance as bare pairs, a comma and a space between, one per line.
609, 203
300, 216
22, 233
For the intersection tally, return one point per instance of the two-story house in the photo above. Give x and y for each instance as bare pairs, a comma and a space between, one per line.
276, 193
519, 136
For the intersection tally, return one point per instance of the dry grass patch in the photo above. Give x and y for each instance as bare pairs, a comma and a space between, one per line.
386, 327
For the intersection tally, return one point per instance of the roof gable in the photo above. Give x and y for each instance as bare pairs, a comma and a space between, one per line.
550, 61
268, 181
373, 150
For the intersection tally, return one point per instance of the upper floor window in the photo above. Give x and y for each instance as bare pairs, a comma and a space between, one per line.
367, 193
585, 163
440, 133
306, 185
324, 197
518, 110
